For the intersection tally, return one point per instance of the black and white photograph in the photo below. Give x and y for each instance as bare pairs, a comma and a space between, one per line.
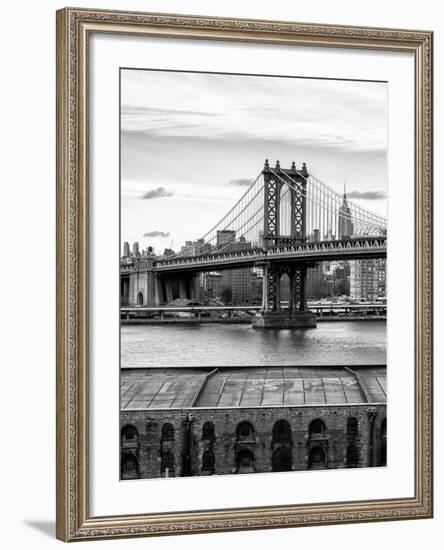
253, 292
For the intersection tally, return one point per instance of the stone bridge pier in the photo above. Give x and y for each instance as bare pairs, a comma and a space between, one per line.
142, 285
272, 315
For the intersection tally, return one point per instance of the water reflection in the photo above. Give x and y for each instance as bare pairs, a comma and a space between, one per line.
362, 342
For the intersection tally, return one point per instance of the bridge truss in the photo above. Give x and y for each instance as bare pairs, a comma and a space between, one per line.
286, 206
287, 220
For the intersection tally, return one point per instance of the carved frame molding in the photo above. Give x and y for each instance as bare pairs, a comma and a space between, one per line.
73, 519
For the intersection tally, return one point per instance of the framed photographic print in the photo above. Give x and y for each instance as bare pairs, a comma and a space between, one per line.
244, 276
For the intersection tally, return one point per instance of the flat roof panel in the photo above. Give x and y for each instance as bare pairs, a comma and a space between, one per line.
250, 387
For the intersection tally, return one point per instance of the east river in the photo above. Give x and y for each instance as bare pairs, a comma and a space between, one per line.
218, 345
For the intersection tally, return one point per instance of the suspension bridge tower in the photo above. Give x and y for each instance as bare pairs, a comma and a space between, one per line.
273, 314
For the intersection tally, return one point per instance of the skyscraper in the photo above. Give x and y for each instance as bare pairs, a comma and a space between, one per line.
345, 224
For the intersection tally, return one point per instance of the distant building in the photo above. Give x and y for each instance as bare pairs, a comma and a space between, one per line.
342, 279
239, 281
195, 248
256, 288
225, 236
328, 279
126, 250
315, 282
261, 242
345, 223
236, 286
314, 237
212, 285
368, 279
187, 249
136, 252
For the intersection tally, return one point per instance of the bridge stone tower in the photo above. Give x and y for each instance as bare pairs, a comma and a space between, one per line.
142, 285
296, 314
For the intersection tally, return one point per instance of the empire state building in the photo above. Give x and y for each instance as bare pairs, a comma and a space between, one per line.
345, 224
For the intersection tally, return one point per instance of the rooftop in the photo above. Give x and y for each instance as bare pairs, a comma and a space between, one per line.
251, 387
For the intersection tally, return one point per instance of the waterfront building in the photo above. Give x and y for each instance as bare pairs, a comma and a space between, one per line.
328, 279
368, 279
315, 283
235, 286
212, 285
234, 421
239, 284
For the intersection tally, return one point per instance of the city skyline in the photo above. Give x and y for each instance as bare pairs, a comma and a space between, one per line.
174, 159
227, 311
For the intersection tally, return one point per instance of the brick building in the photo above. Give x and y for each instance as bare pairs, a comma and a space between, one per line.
368, 279
177, 422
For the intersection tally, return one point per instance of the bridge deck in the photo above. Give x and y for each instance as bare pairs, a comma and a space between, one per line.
251, 387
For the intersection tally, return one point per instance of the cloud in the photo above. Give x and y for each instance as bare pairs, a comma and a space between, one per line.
243, 108
367, 195
157, 193
241, 182
156, 234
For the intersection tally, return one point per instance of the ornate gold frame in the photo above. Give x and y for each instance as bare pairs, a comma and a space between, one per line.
73, 519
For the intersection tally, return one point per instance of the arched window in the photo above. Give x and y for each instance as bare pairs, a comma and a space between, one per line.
245, 462
281, 431
167, 464
208, 462
352, 427
245, 431
317, 459
129, 467
140, 298
281, 460
317, 428
129, 435
167, 432
208, 431
352, 456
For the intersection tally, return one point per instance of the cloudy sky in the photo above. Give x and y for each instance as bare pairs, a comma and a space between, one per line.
192, 143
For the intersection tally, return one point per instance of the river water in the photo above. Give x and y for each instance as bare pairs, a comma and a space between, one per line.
218, 345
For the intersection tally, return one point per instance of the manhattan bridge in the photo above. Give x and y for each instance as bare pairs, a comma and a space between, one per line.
287, 221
